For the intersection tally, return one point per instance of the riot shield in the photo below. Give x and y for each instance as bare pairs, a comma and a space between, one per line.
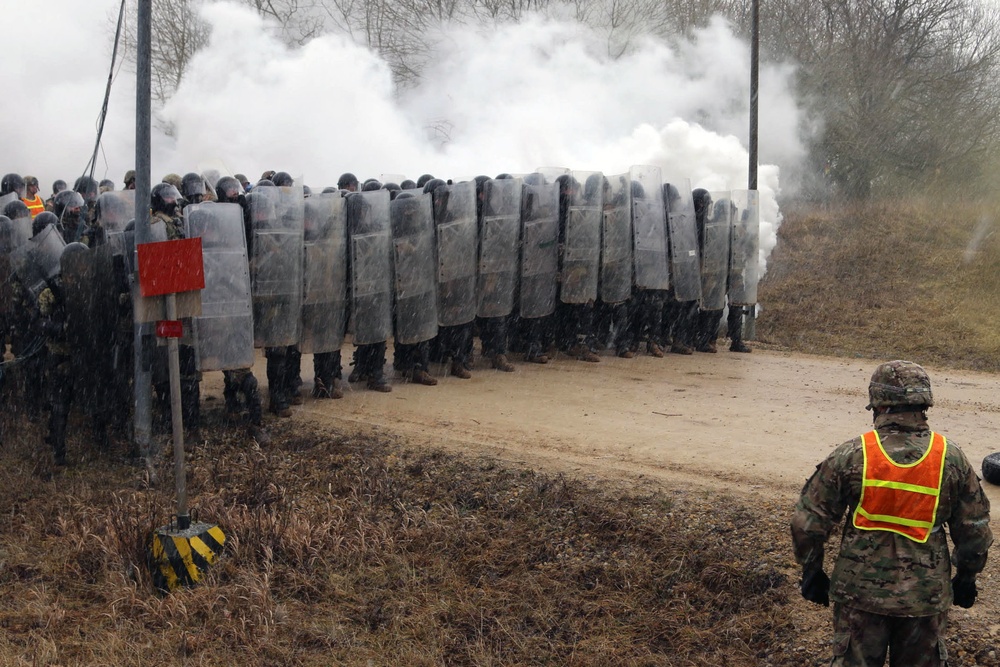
715, 252
90, 299
223, 333
616, 241
685, 265
539, 250
581, 255
413, 268
369, 228
37, 261
649, 229
324, 302
455, 221
117, 209
499, 244
7, 245
276, 266
8, 198
743, 261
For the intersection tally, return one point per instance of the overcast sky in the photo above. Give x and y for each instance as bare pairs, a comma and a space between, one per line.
512, 99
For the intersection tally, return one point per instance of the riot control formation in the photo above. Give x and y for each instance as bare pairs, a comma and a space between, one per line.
556, 261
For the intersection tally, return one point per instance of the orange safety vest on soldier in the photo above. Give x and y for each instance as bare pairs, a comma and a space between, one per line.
898, 498
35, 206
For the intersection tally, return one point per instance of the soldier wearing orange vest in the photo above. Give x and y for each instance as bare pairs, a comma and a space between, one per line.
900, 486
34, 203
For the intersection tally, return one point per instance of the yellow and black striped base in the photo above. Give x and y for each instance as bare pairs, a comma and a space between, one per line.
180, 557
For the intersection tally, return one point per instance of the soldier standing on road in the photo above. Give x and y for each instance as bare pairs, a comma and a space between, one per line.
900, 483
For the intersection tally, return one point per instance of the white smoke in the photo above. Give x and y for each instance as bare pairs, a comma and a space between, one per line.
542, 92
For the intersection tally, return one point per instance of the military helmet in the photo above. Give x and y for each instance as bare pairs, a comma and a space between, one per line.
30, 180
164, 197
228, 189
899, 383
129, 177
283, 179
16, 209
192, 185
13, 183
43, 220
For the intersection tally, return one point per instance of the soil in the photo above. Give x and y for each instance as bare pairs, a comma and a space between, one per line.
755, 423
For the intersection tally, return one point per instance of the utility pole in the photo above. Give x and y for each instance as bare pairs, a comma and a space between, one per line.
750, 326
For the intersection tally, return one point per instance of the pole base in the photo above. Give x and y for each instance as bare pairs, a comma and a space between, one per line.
181, 557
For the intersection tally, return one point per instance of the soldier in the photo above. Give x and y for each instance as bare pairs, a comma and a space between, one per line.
57, 187
164, 209
539, 267
680, 306
900, 484
130, 179
192, 188
71, 210
498, 212
713, 220
90, 190
580, 243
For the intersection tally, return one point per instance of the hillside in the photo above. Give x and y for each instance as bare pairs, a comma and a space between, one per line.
917, 281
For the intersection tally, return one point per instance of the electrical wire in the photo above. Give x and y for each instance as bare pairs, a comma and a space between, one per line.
92, 163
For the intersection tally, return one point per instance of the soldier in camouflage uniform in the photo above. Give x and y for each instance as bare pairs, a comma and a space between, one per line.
165, 202
892, 584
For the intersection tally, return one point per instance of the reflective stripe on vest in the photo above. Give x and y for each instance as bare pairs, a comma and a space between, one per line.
35, 206
900, 498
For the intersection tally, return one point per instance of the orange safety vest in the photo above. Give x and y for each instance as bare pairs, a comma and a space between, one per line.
35, 206
899, 498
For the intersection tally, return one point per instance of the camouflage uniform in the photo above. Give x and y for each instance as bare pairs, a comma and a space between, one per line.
891, 592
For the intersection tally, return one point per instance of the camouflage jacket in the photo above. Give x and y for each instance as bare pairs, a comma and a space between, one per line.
174, 225
879, 571
51, 307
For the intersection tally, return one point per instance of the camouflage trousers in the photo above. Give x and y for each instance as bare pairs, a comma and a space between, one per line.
862, 639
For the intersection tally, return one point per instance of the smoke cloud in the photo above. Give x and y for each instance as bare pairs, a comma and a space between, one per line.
509, 99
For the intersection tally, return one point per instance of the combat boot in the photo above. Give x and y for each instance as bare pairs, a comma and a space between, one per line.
460, 371
536, 358
681, 348
321, 390
708, 347
379, 384
740, 346
421, 376
654, 350
583, 353
626, 354
501, 363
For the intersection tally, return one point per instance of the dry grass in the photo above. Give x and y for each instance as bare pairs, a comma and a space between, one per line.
908, 280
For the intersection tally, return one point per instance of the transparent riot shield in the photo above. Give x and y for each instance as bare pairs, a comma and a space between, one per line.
743, 260
616, 240
649, 229
682, 226
369, 229
414, 266
8, 198
37, 261
223, 333
116, 208
715, 251
324, 303
277, 215
7, 246
539, 250
90, 298
455, 221
499, 245
581, 255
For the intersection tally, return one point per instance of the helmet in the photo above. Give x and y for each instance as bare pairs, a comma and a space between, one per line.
370, 185
393, 189
283, 179
129, 179
244, 181
58, 186
534, 178
66, 200
192, 187
347, 180
88, 187
422, 181
43, 220
228, 189
30, 180
432, 184
264, 183
16, 209
13, 183
174, 180
408, 184
899, 383
107, 185
164, 197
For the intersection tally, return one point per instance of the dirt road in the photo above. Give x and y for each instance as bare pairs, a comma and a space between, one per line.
755, 422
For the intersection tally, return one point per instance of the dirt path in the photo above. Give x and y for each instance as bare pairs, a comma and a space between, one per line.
758, 422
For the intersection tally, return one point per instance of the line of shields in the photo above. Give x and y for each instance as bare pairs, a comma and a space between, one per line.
285, 269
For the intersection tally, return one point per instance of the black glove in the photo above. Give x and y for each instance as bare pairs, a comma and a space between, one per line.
963, 590
816, 587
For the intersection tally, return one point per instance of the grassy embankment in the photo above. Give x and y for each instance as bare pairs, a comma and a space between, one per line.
913, 281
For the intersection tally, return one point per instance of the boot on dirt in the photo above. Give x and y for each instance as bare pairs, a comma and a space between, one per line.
681, 348
420, 376
708, 347
260, 434
654, 350
460, 371
501, 363
379, 384
582, 353
537, 359
740, 346
626, 354
322, 390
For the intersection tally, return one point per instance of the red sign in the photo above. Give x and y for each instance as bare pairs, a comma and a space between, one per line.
169, 329
168, 267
